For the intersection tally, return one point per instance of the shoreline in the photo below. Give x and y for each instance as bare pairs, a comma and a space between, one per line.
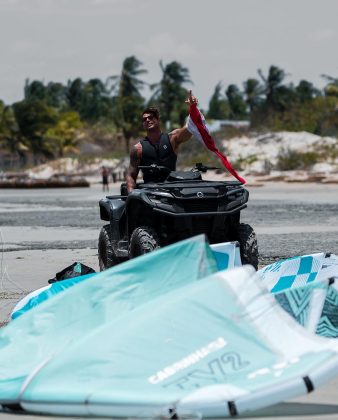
73, 179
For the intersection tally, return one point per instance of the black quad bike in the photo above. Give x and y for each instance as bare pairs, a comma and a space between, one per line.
178, 206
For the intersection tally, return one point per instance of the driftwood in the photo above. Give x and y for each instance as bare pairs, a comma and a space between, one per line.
54, 182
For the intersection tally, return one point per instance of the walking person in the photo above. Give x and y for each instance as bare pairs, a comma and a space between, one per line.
105, 174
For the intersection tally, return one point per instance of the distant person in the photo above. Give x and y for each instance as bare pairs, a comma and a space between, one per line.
114, 176
156, 147
105, 174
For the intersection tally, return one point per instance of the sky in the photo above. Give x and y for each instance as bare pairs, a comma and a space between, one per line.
217, 40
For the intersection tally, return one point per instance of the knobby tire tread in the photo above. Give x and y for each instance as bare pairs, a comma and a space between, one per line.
143, 240
107, 257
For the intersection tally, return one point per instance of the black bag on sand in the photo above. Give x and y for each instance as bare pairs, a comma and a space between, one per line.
74, 270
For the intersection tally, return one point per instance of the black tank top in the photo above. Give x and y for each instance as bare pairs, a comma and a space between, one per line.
160, 153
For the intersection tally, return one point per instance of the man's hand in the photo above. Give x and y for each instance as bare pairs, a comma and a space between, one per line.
191, 99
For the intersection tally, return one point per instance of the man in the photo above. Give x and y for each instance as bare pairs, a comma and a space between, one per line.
104, 174
157, 147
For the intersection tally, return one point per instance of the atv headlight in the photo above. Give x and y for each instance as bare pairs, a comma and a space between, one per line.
154, 199
159, 198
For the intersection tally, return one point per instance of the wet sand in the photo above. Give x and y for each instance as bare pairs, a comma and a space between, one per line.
44, 231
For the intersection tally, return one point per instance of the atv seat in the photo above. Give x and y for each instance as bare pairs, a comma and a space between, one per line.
181, 175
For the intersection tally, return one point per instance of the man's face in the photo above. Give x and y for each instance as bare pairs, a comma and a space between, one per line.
150, 122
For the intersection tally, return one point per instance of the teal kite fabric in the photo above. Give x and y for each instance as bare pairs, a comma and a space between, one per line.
226, 254
161, 353
50, 327
165, 334
46, 293
306, 287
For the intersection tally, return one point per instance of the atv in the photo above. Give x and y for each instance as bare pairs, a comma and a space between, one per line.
177, 206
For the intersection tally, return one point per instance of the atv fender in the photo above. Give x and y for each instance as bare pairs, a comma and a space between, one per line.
111, 208
138, 209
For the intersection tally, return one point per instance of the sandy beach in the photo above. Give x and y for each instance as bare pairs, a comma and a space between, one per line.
42, 232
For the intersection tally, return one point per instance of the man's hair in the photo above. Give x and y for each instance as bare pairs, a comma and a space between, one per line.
153, 111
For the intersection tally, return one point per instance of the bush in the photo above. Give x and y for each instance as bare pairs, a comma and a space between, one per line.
291, 160
318, 115
328, 152
242, 162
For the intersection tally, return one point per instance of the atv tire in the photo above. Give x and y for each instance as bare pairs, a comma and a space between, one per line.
106, 254
143, 240
247, 239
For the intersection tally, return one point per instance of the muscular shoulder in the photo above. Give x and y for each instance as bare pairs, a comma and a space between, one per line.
178, 136
174, 134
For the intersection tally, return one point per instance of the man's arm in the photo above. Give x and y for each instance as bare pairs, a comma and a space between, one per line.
133, 169
181, 135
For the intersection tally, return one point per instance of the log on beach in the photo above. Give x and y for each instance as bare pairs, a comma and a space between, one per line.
45, 183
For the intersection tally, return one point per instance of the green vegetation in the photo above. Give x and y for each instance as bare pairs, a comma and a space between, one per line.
54, 119
169, 94
292, 160
128, 103
327, 152
242, 162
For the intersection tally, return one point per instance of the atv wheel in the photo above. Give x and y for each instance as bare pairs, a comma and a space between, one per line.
247, 239
143, 240
107, 257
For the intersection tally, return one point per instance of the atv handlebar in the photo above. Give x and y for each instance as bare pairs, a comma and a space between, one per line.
198, 167
154, 167
203, 168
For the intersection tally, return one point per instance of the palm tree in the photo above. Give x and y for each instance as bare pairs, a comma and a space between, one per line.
75, 94
53, 94
170, 93
34, 90
218, 105
253, 91
130, 84
56, 94
128, 102
306, 91
96, 102
236, 102
273, 86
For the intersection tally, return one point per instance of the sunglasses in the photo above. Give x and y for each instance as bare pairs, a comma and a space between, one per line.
149, 117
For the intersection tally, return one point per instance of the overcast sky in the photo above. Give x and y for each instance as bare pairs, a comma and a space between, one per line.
218, 40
